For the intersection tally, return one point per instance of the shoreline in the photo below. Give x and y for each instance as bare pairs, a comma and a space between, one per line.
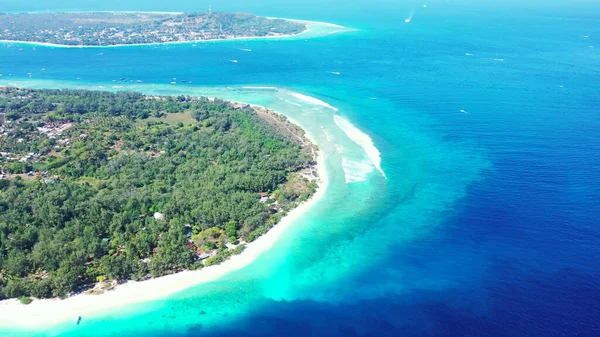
282, 36
50, 312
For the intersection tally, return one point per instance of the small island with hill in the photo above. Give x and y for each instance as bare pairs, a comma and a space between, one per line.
98, 188
125, 28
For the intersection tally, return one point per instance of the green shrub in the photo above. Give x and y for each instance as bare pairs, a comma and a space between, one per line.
25, 300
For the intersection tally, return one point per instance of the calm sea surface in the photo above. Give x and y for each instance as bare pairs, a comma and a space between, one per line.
484, 117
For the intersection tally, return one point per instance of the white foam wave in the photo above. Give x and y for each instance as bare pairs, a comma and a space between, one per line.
292, 103
261, 88
362, 139
356, 171
312, 100
329, 136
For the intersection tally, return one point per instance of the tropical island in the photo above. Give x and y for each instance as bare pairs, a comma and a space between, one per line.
97, 188
124, 28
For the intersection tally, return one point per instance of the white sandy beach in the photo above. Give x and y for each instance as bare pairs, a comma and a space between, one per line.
48, 312
309, 25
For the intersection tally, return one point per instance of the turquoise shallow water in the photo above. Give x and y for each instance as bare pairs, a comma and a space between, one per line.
486, 222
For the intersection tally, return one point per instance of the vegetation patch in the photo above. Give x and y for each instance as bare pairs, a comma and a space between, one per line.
98, 187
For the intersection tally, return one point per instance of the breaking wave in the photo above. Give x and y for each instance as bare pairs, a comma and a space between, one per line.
312, 100
261, 88
290, 102
362, 139
356, 171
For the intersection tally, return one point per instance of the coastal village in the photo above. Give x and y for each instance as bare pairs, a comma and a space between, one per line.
104, 29
13, 131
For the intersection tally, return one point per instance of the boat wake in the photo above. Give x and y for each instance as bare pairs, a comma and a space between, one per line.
362, 139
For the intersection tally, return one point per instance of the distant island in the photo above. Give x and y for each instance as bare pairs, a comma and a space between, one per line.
97, 188
124, 28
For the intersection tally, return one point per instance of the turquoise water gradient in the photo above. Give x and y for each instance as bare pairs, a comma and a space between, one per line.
333, 233
485, 116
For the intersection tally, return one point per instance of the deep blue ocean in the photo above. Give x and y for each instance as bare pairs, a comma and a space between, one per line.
487, 120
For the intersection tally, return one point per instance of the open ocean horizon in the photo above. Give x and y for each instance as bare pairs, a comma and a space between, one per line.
463, 152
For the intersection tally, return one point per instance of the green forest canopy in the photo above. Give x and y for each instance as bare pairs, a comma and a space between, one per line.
99, 185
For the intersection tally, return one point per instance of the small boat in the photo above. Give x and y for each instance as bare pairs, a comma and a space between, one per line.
173, 83
183, 81
77, 320
233, 61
